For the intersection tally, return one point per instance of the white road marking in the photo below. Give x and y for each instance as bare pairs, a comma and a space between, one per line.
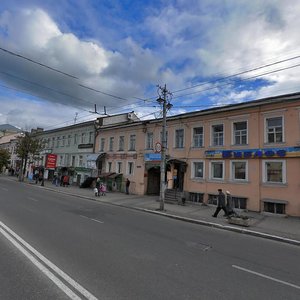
33, 199
4, 189
24, 247
267, 277
98, 221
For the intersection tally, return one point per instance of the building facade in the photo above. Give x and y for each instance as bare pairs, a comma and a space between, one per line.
251, 149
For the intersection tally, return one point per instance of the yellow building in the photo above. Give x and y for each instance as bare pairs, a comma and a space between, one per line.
251, 149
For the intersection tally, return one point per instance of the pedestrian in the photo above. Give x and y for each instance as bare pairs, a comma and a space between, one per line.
127, 184
229, 204
103, 189
66, 181
221, 204
97, 187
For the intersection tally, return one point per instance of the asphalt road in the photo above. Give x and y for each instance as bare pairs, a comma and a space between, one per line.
82, 247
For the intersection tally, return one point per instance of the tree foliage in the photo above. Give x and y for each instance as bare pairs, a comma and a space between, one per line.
4, 158
28, 147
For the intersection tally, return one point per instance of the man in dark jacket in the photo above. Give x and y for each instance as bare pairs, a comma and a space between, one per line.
221, 204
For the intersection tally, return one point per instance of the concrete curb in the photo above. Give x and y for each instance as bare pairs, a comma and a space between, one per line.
185, 219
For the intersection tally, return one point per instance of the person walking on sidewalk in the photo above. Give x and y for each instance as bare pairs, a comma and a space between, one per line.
221, 204
229, 204
127, 184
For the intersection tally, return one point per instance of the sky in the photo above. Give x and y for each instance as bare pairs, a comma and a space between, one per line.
58, 59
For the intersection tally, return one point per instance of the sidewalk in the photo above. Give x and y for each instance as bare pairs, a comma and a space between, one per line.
285, 229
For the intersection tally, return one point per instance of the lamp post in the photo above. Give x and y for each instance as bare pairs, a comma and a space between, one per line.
163, 97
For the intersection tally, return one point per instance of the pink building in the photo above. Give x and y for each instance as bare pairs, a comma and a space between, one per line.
251, 149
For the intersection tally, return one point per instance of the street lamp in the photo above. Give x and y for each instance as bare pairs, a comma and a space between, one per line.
164, 94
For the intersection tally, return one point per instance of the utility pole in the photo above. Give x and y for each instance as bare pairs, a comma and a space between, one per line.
164, 94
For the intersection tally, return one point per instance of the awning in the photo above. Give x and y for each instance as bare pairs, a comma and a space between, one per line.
275, 201
176, 161
105, 174
115, 175
95, 157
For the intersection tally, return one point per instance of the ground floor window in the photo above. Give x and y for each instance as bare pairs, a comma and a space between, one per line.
275, 208
239, 170
212, 199
196, 197
239, 202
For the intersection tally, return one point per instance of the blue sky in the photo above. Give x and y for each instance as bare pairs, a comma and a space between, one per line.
115, 53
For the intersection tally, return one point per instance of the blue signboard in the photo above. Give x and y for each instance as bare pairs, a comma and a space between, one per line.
255, 153
152, 157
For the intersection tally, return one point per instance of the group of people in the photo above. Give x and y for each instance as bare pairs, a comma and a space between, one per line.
100, 188
225, 204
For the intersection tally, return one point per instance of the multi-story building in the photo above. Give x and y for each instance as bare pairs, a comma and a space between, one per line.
251, 149
73, 147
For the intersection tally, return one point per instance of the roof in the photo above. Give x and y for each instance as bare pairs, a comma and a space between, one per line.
8, 127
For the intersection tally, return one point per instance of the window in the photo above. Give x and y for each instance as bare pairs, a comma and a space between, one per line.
217, 170
61, 160
53, 142
198, 137
240, 133
196, 197
161, 138
111, 143
179, 138
274, 130
274, 171
132, 141
75, 139
73, 161
239, 170
63, 141
121, 143
69, 140
109, 166
119, 167
83, 138
275, 208
102, 144
91, 136
57, 141
80, 161
149, 140
130, 168
239, 202
218, 135
198, 170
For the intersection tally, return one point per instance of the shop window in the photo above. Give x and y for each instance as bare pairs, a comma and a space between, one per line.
275, 208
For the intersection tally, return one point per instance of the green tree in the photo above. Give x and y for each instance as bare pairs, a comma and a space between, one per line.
4, 158
27, 146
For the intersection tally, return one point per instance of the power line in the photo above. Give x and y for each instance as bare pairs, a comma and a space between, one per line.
240, 73
225, 84
36, 62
